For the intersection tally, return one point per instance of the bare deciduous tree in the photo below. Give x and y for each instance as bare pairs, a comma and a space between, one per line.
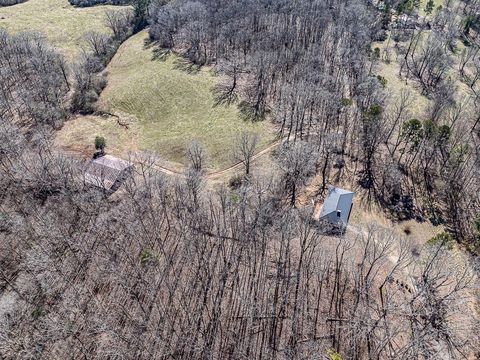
197, 156
244, 149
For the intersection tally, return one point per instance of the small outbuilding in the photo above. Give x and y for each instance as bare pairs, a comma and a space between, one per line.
337, 208
108, 172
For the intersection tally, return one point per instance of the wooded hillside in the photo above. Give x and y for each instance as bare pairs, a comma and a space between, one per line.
166, 204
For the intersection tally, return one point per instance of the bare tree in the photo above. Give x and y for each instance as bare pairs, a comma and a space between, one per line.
99, 44
297, 163
244, 149
197, 156
120, 22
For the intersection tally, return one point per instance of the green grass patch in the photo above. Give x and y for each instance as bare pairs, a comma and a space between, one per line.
173, 106
62, 24
423, 5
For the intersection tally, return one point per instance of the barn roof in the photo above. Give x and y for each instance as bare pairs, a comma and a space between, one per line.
337, 204
105, 171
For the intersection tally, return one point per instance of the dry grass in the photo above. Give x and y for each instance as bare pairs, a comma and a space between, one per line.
389, 69
164, 109
61, 23
78, 135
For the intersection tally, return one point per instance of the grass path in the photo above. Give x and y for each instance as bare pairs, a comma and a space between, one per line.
232, 169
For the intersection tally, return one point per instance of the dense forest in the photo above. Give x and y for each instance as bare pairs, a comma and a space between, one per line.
175, 268
171, 270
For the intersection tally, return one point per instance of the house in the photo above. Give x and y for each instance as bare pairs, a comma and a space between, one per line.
108, 172
336, 208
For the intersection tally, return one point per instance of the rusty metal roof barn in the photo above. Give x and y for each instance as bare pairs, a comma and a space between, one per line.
108, 172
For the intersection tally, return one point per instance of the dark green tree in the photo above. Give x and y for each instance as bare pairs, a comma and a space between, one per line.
100, 143
412, 132
140, 8
429, 7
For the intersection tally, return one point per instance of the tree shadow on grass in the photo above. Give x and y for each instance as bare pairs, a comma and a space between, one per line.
224, 94
148, 43
186, 66
161, 54
248, 113
158, 53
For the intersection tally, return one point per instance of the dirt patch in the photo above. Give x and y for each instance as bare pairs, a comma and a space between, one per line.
364, 214
120, 131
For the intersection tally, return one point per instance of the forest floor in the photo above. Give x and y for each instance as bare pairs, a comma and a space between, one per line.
63, 25
161, 108
389, 68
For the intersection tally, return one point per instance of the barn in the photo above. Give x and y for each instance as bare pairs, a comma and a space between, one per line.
108, 172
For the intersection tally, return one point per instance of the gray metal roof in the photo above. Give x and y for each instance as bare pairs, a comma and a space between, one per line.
337, 200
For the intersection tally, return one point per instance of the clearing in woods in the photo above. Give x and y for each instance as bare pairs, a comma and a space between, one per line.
388, 67
164, 108
62, 24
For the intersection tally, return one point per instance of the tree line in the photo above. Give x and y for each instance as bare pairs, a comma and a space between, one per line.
87, 3
10, 2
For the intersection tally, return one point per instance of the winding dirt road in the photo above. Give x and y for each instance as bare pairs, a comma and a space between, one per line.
230, 169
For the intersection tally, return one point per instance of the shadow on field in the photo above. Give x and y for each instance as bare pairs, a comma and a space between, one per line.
186, 66
161, 54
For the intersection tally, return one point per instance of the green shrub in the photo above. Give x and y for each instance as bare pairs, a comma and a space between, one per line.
429, 7
100, 143
333, 355
147, 257
235, 181
442, 239
382, 81
38, 312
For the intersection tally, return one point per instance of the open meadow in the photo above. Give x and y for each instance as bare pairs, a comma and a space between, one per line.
63, 25
164, 108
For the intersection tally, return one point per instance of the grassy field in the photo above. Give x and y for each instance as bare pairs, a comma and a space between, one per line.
62, 24
166, 108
